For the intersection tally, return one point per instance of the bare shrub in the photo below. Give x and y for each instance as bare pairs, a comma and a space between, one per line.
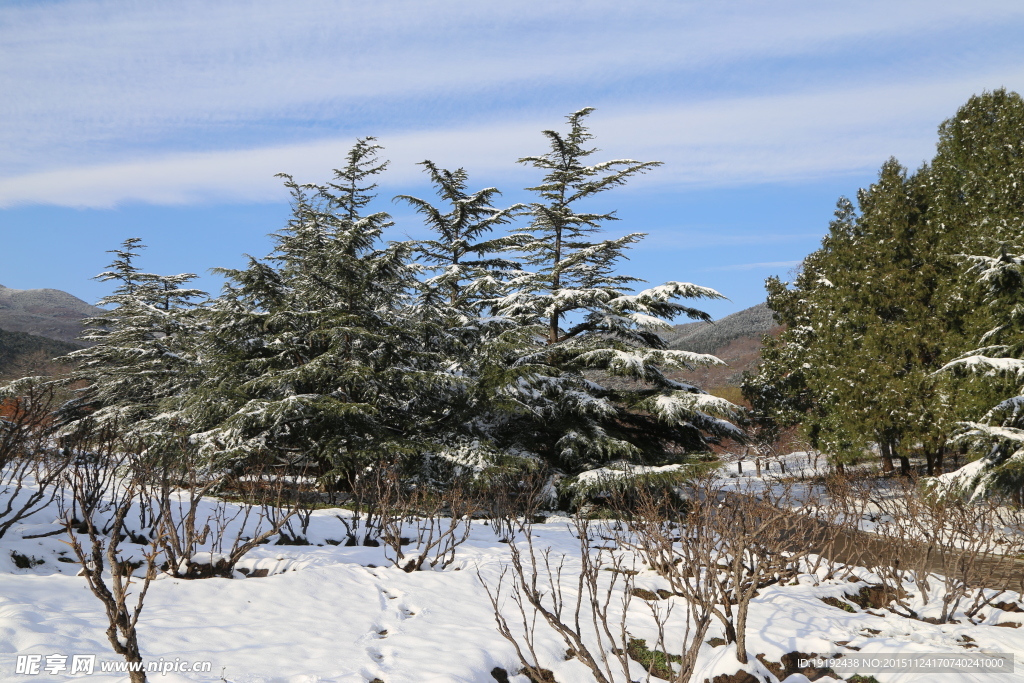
674, 539
441, 522
943, 546
266, 500
537, 589
119, 481
510, 501
721, 546
204, 520
589, 612
755, 549
31, 463
304, 502
374, 490
419, 526
177, 496
840, 550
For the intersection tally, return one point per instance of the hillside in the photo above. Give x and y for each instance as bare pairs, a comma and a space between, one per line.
736, 339
22, 353
700, 337
44, 312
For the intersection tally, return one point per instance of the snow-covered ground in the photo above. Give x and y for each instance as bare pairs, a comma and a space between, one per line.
797, 464
331, 614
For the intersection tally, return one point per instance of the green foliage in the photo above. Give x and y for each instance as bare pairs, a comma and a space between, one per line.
656, 662
341, 351
885, 302
314, 354
621, 479
841, 604
584, 316
453, 308
999, 434
140, 352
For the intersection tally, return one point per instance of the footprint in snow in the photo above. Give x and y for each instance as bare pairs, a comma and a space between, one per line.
382, 656
386, 596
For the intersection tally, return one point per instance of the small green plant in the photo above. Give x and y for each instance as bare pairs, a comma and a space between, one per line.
658, 663
841, 604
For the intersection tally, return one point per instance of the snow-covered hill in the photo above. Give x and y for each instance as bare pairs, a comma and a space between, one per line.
46, 312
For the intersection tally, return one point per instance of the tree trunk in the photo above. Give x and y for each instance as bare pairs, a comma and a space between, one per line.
741, 629
885, 451
904, 465
556, 286
930, 456
730, 630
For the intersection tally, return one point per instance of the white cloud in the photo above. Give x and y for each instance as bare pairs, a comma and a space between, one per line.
662, 238
787, 137
84, 81
249, 175
756, 266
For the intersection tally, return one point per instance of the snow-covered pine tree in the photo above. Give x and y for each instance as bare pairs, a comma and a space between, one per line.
999, 434
467, 268
141, 352
468, 271
313, 353
589, 325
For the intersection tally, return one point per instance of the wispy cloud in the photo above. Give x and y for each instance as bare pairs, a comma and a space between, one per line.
725, 142
662, 238
106, 102
249, 174
755, 266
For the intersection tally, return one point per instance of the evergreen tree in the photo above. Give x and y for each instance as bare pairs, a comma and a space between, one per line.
999, 434
141, 352
467, 269
977, 207
977, 185
313, 355
883, 304
863, 337
467, 272
584, 317
332, 351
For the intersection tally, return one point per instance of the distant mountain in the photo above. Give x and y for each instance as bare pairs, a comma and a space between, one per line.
700, 337
45, 312
736, 339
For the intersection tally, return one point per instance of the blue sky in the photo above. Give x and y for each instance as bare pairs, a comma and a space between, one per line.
168, 121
